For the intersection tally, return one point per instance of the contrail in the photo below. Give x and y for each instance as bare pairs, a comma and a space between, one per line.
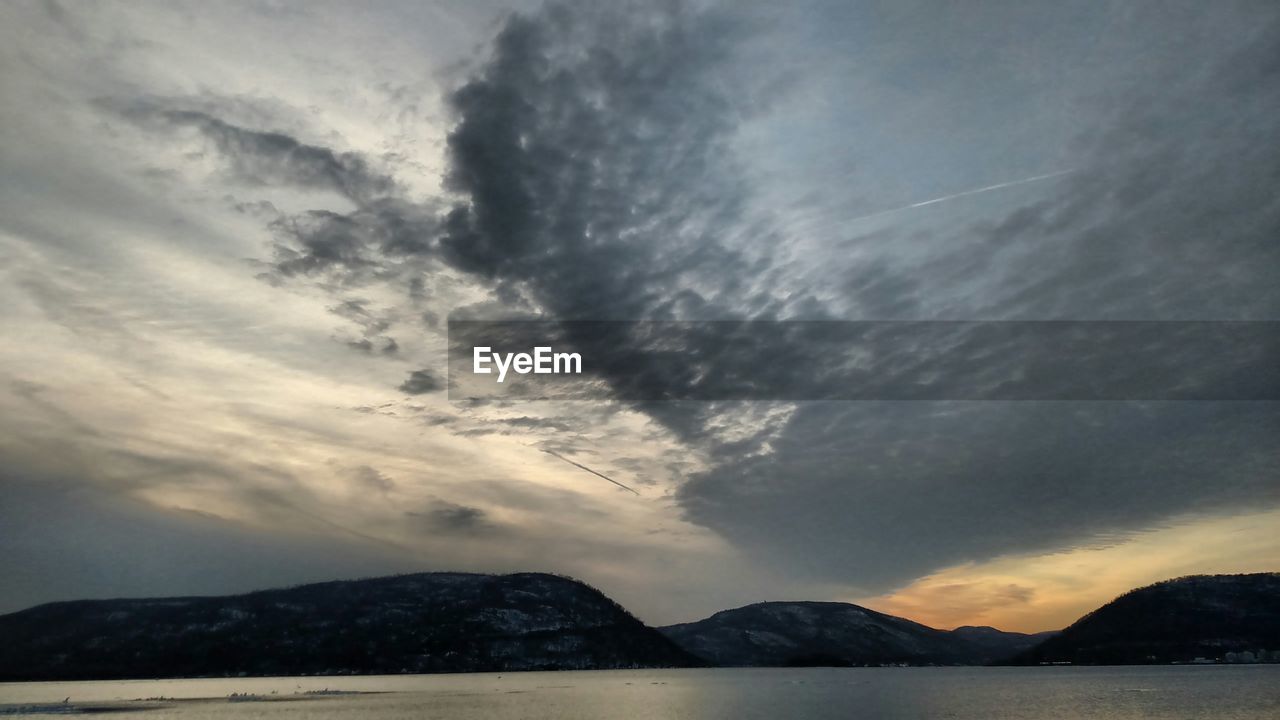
966, 193
593, 472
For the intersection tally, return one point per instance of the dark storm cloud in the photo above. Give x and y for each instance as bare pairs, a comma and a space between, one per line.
594, 178
594, 149
1172, 215
1169, 220
592, 155
593, 152
881, 493
421, 382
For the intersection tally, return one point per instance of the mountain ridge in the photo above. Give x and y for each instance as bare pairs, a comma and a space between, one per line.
789, 633
471, 622
1204, 617
422, 622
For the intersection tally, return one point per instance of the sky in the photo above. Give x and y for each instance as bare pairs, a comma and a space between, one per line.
232, 236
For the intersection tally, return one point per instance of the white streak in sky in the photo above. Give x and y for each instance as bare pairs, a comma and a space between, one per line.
593, 472
966, 193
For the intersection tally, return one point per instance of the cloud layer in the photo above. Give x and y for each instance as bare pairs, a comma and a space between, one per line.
234, 300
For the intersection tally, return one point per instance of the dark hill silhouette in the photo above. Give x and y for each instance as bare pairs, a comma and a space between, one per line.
459, 622
1202, 616
431, 622
836, 634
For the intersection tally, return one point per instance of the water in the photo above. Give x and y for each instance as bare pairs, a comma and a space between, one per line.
1220, 692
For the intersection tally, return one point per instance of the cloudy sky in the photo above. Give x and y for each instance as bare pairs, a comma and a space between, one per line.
232, 235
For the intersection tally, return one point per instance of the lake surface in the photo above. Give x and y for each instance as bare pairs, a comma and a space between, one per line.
1057, 693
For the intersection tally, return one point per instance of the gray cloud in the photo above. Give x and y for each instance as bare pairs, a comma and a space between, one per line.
421, 382
1175, 181
1172, 215
272, 157
525, 422
385, 237
593, 150
66, 541
371, 478
1169, 213
383, 346
447, 517
384, 240
594, 173
880, 493
357, 311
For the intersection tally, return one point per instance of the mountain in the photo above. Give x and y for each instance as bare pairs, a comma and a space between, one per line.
1203, 616
431, 622
992, 645
460, 622
832, 633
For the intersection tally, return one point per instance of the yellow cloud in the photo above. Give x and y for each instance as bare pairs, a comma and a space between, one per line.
1030, 593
